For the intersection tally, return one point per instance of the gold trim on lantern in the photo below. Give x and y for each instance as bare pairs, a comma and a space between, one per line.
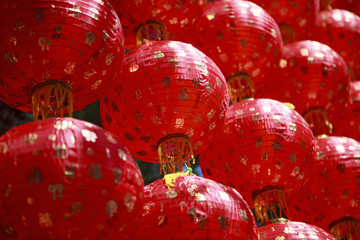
345, 228
317, 119
264, 205
241, 87
51, 96
174, 149
145, 29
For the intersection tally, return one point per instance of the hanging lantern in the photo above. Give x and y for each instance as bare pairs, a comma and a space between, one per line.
57, 52
314, 77
67, 179
169, 102
191, 207
157, 20
289, 230
294, 17
340, 29
332, 196
267, 155
243, 40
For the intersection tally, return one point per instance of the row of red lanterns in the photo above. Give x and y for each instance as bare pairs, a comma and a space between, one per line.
180, 92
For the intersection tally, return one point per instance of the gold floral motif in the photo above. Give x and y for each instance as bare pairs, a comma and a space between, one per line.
62, 125
111, 208
52, 137
158, 55
30, 138
89, 135
56, 190
199, 197
61, 151
129, 202
45, 220
171, 194
122, 154
96, 85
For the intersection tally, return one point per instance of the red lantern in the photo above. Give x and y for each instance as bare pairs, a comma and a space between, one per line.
268, 153
169, 102
243, 40
340, 29
294, 17
333, 191
54, 52
292, 230
314, 77
157, 20
350, 5
67, 179
190, 207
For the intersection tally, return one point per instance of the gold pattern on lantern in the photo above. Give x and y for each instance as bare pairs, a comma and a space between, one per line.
89, 135
122, 155
129, 202
30, 200
52, 137
95, 171
56, 190
158, 55
30, 138
171, 194
45, 220
110, 138
111, 208
61, 151
96, 85
70, 67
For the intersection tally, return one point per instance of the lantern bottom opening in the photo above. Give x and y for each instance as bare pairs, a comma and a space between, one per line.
52, 96
174, 150
346, 228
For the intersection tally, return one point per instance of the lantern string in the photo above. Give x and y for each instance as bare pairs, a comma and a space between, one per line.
348, 228
271, 201
174, 152
50, 93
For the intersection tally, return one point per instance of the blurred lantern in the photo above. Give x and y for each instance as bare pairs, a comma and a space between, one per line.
350, 5
267, 155
294, 17
340, 30
243, 40
332, 197
67, 179
191, 207
311, 76
157, 20
54, 52
170, 100
292, 230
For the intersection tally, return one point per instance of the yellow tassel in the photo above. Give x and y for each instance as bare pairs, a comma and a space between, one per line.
264, 203
42, 101
345, 228
290, 105
174, 150
171, 178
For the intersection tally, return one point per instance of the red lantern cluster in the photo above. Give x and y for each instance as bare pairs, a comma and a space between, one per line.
293, 230
170, 98
333, 192
54, 52
157, 20
242, 39
340, 30
294, 17
67, 179
269, 145
190, 207
314, 77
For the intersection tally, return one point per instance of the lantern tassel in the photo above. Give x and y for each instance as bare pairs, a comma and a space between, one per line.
270, 200
171, 178
51, 96
174, 149
345, 228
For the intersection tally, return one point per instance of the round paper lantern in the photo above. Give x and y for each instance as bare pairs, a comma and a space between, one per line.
243, 40
267, 154
191, 207
340, 29
157, 20
332, 196
67, 179
56, 52
169, 101
294, 17
311, 76
292, 230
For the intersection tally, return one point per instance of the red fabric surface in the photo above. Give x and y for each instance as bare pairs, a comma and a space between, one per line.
195, 208
240, 37
263, 142
78, 42
165, 87
310, 75
340, 30
179, 17
293, 231
298, 14
334, 190
67, 179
